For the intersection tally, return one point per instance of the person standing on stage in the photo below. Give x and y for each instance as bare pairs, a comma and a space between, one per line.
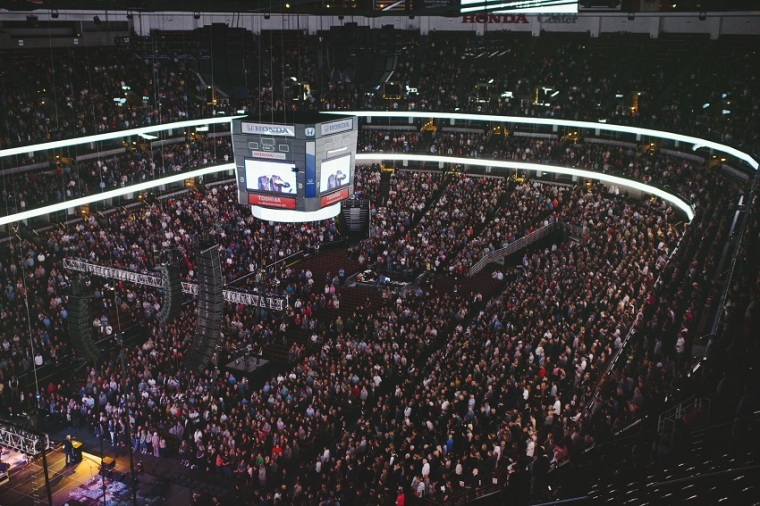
68, 450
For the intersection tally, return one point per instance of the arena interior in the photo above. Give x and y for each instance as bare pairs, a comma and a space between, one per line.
541, 289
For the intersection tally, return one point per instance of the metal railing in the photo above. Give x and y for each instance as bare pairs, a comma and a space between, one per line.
500, 254
732, 269
526, 240
569, 500
629, 334
467, 495
574, 229
668, 421
269, 269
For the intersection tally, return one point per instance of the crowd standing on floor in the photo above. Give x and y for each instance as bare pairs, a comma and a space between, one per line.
426, 395
384, 386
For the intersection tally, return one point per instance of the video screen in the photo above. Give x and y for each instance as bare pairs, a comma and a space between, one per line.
273, 177
335, 173
490, 7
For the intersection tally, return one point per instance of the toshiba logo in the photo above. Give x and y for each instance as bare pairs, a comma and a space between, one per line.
271, 201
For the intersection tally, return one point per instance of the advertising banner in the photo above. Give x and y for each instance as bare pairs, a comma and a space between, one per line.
334, 197
271, 201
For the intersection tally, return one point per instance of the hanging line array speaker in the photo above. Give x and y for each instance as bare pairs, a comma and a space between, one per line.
80, 324
208, 329
172, 293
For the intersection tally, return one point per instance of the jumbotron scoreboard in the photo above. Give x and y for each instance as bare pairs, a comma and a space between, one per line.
296, 168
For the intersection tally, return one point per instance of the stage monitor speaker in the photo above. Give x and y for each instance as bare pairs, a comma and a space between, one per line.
107, 465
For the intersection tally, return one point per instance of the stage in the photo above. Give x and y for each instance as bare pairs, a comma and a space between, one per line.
157, 480
79, 483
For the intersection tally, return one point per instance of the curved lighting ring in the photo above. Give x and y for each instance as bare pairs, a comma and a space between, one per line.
661, 134
115, 135
98, 197
685, 207
507, 164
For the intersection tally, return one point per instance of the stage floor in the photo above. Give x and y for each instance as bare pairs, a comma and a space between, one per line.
162, 480
77, 484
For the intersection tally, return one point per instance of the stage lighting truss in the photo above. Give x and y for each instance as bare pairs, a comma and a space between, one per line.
267, 301
22, 440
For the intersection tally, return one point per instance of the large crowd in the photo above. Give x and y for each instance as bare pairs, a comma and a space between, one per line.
70, 178
429, 395
71, 92
132, 238
547, 340
57, 98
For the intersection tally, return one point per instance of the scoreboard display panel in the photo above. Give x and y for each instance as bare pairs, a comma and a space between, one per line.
296, 168
266, 176
334, 173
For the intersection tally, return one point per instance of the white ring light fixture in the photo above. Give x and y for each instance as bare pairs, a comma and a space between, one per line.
506, 164
97, 197
661, 134
686, 208
142, 131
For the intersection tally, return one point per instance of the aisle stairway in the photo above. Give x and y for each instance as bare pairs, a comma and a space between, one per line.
385, 187
355, 214
716, 465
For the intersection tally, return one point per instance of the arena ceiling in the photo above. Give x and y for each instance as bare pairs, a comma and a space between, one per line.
356, 7
318, 7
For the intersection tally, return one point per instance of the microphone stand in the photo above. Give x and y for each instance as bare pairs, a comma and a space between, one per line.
102, 469
125, 387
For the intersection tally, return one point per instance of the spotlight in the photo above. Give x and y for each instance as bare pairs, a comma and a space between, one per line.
96, 19
54, 13
130, 15
341, 18
702, 16
631, 16
196, 15
267, 16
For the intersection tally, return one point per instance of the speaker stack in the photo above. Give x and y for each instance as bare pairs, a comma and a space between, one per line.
227, 54
210, 307
172, 292
80, 326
